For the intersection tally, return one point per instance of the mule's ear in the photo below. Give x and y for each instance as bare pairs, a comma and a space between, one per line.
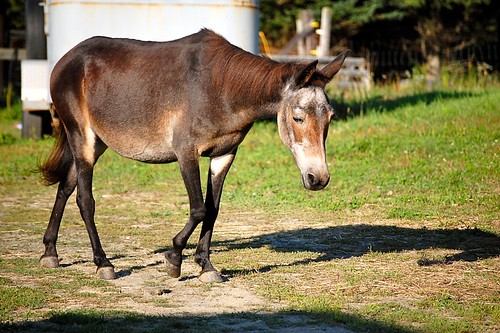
305, 74
332, 68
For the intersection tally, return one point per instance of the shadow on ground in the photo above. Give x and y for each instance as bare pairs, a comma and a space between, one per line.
79, 321
351, 108
343, 242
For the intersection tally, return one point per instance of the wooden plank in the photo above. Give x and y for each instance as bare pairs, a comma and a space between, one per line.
9, 54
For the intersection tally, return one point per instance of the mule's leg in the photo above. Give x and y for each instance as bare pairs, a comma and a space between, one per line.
66, 187
216, 175
190, 171
86, 203
88, 149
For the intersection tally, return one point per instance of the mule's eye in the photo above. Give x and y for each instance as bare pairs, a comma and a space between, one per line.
298, 120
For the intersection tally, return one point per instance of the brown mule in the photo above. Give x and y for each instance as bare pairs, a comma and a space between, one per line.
177, 101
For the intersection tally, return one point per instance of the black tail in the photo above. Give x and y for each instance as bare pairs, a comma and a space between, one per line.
59, 161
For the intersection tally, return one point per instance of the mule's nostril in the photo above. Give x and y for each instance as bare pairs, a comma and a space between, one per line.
311, 178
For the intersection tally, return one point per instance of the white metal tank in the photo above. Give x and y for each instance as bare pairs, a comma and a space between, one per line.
68, 22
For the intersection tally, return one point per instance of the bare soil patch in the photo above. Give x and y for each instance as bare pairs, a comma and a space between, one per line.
142, 285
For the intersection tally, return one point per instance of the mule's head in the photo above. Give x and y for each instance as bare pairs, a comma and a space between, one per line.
303, 120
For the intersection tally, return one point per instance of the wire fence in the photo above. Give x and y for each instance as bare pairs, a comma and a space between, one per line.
384, 61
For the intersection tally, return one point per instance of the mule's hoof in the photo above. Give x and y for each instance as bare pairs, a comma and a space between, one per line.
172, 270
49, 262
210, 277
106, 273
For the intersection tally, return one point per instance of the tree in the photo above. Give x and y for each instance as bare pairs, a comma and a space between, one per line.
13, 14
433, 28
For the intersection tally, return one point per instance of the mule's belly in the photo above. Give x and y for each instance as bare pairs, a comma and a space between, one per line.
143, 151
145, 142
148, 153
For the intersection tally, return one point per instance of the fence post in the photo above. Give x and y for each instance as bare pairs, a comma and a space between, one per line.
305, 45
324, 39
432, 75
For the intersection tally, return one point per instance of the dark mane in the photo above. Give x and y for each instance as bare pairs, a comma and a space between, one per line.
247, 76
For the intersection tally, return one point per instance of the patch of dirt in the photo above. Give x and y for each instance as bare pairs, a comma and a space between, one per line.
142, 285
148, 282
145, 288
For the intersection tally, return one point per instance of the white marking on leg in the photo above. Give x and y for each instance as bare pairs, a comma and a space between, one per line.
218, 164
89, 146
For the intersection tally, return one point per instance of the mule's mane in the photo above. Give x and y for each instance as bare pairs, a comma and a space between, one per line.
244, 76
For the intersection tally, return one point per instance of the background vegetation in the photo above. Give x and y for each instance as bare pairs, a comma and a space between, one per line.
462, 30
443, 23
397, 36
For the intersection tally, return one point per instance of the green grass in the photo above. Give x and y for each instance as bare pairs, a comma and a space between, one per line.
17, 298
36, 289
420, 161
405, 238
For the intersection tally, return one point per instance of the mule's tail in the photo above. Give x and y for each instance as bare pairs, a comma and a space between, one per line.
59, 161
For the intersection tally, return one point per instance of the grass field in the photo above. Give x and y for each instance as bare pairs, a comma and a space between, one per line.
406, 237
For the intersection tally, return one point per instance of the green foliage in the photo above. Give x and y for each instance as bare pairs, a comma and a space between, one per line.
428, 27
277, 18
359, 13
14, 12
14, 113
9, 118
7, 139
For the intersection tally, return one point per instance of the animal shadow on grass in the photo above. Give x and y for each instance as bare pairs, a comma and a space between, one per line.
89, 320
352, 108
127, 272
84, 261
343, 242
119, 274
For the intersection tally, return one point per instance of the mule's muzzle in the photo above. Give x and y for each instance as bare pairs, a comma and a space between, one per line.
315, 181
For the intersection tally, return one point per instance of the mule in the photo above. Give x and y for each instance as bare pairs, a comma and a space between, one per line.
176, 101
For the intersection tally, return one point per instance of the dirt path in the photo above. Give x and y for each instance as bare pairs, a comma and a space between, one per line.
142, 285
147, 289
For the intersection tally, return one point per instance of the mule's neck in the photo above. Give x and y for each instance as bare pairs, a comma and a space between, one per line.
249, 82
264, 88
